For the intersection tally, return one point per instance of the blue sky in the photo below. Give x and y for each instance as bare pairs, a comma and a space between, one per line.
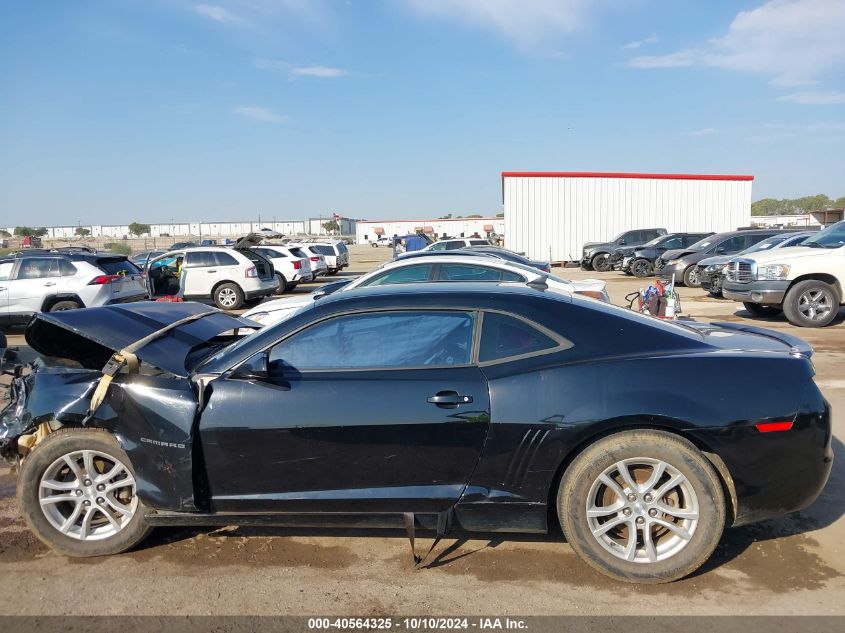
223, 109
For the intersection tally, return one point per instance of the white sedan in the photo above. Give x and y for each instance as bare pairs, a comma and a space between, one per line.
442, 268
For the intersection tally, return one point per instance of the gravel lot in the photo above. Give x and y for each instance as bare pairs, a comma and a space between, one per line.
790, 566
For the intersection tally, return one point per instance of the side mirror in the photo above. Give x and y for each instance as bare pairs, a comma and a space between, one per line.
256, 368
319, 294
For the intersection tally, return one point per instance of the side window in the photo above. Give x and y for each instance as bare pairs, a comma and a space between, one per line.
379, 340
648, 235
6, 270
454, 245
66, 269
503, 336
479, 243
468, 272
269, 253
734, 244
439, 246
224, 259
404, 275
38, 268
199, 259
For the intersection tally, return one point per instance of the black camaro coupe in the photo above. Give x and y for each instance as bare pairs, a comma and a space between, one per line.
447, 406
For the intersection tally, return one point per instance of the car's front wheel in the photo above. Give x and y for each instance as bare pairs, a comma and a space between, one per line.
77, 492
811, 303
642, 267
692, 278
283, 284
601, 262
642, 506
228, 296
62, 306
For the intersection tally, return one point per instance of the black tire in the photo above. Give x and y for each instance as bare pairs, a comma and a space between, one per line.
691, 277
228, 296
581, 481
601, 262
800, 299
61, 306
586, 266
331, 271
716, 286
290, 286
283, 284
642, 268
40, 461
761, 310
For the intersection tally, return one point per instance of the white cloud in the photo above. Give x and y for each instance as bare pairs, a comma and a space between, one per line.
217, 13
631, 46
705, 131
815, 98
257, 113
792, 41
315, 70
527, 22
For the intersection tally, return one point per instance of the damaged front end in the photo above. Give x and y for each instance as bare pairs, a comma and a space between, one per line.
125, 369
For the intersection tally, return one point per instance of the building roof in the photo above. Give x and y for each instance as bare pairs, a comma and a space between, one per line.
599, 174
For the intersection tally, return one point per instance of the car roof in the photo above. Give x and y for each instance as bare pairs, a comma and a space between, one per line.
460, 257
73, 256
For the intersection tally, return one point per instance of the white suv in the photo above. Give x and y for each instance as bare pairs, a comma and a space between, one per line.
336, 254
447, 267
229, 277
318, 260
54, 281
290, 269
452, 244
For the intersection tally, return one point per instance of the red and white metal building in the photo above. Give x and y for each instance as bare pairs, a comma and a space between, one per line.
550, 215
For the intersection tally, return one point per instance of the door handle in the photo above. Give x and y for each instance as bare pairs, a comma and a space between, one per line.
50, 283
3, 288
211, 271
449, 399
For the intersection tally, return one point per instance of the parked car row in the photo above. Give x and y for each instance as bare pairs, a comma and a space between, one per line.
40, 280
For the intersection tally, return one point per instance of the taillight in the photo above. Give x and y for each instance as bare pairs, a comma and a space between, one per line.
104, 279
315, 259
251, 273
774, 427
297, 265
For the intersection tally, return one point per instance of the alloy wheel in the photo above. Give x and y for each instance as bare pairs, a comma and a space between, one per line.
642, 510
815, 304
88, 495
227, 297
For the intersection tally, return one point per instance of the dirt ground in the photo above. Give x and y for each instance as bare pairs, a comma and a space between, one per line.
794, 565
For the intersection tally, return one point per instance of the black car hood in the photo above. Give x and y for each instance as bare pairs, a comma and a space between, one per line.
677, 253
91, 335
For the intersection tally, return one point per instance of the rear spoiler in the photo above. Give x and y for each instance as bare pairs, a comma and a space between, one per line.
797, 345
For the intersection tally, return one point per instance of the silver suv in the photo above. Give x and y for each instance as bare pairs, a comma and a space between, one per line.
53, 281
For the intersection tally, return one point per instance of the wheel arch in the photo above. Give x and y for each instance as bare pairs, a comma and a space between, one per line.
672, 427
825, 277
51, 300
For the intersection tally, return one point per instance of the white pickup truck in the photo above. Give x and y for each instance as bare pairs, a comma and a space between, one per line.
805, 282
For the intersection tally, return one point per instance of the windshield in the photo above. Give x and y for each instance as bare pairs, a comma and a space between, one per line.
700, 245
658, 239
831, 237
765, 245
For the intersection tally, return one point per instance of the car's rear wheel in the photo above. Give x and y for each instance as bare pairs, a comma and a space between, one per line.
283, 284
642, 268
228, 296
716, 286
762, 311
811, 303
61, 306
601, 262
692, 278
77, 492
642, 506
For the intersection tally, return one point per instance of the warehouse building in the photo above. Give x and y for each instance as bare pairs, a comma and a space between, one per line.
550, 215
367, 231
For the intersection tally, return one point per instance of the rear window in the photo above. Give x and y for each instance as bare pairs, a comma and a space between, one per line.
117, 266
479, 243
297, 252
323, 250
503, 336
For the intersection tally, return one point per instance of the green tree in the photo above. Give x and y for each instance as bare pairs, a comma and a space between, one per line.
331, 226
474, 215
40, 232
120, 248
788, 206
500, 215
445, 217
136, 228
23, 231
4, 233
82, 232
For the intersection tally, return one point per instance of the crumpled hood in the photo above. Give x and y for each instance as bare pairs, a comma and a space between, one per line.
91, 335
718, 259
